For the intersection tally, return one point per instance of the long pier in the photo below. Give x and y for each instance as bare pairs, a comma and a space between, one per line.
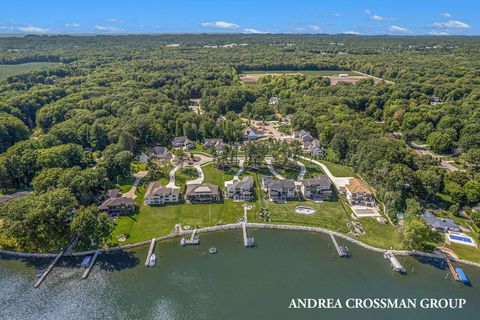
150, 252
90, 266
248, 242
49, 268
342, 251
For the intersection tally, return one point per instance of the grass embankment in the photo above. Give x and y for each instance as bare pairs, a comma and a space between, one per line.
7, 70
339, 170
465, 252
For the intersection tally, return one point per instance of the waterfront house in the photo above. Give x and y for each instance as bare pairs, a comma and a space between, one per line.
239, 190
182, 142
281, 190
157, 194
115, 204
202, 193
160, 153
318, 188
358, 193
440, 224
252, 134
214, 144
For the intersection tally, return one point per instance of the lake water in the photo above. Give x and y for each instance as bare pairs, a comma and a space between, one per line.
235, 283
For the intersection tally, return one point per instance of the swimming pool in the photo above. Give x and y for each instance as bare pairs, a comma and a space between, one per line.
459, 238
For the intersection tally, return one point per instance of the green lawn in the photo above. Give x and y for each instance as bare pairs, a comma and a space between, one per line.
465, 252
218, 177
125, 184
312, 170
339, 170
7, 70
289, 173
184, 174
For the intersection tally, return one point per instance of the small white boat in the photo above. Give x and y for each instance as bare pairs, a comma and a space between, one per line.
153, 260
212, 250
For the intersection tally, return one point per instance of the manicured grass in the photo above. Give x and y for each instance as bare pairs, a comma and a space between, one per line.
184, 174
7, 70
381, 235
218, 177
312, 170
125, 184
289, 173
138, 166
465, 252
339, 170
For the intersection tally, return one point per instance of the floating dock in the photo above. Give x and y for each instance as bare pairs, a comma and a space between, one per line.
341, 250
394, 262
49, 268
462, 276
194, 239
150, 251
90, 266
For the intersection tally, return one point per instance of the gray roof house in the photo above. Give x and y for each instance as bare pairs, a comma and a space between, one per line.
158, 194
202, 193
160, 153
182, 141
281, 190
252, 134
115, 204
239, 190
214, 144
318, 188
440, 224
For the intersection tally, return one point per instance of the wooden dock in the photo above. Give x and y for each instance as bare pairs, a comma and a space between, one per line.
49, 268
90, 266
194, 239
342, 251
150, 252
452, 269
248, 242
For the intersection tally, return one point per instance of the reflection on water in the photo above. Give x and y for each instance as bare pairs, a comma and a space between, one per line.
235, 283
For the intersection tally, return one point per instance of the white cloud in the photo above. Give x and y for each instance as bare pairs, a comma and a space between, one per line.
255, 31
114, 20
336, 14
446, 15
438, 33
451, 24
315, 28
377, 17
351, 32
72, 25
220, 25
398, 29
32, 29
106, 28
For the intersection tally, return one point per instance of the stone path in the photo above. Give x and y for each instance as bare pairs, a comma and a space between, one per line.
240, 170
171, 183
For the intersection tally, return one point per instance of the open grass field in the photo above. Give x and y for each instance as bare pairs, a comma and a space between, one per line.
7, 70
339, 170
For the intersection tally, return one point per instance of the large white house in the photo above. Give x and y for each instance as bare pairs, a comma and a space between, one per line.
157, 194
239, 190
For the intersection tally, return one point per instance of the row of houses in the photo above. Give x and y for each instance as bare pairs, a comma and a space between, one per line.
310, 144
280, 190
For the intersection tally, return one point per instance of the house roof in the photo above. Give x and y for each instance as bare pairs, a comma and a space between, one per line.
439, 223
181, 139
115, 202
113, 193
251, 131
281, 183
358, 186
156, 189
192, 189
317, 181
245, 183
215, 143
160, 152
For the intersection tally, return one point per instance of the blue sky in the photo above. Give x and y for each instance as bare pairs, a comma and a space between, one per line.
370, 17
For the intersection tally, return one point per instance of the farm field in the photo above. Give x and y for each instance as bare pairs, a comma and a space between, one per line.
7, 70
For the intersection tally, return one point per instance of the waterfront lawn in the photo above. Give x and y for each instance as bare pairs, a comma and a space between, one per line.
155, 221
339, 170
381, 235
328, 214
465, 252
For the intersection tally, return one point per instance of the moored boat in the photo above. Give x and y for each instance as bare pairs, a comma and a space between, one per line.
212, 250
86, 261
153, 260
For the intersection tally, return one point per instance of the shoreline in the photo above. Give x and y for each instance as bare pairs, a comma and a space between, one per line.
234, 226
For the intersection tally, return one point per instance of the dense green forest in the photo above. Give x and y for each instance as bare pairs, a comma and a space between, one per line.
71, 130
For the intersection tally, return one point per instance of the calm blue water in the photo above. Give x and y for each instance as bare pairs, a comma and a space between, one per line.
235, 283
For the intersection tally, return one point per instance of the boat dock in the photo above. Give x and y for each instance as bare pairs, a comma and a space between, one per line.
90, 266
248, 242
341, 250
194, 239
453, 271
49, 268
394, 262
150, 251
